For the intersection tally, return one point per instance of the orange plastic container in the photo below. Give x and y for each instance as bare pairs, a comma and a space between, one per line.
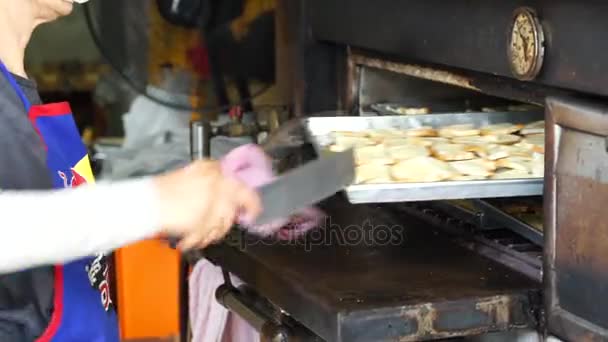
147, 281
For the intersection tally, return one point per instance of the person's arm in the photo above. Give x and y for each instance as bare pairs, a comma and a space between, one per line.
196, 204
50, 227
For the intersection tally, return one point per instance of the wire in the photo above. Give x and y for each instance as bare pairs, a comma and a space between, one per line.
142, 90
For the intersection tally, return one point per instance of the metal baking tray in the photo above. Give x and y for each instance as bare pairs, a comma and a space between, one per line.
319, 131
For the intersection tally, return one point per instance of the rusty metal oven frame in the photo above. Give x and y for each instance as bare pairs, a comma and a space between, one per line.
561, 115
500, 87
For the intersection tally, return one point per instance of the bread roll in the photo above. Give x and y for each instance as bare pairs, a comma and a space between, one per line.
392, 141
422, 169
537, 127
474, 167
467, 178
501, 129
504, 139
407, 152
375, 154
451, 152
462, 130
381, 134
372, 173
473, 140
511, 174
412, 110
515, 163
424, 131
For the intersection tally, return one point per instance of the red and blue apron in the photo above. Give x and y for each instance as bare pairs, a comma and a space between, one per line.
82, 310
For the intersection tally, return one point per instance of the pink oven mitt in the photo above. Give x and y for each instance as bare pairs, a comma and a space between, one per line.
251, 165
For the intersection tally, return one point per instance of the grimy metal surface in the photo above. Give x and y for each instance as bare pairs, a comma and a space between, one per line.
472, 34
576, 229
369, 276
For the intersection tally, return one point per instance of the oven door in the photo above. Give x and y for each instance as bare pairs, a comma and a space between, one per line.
576, 225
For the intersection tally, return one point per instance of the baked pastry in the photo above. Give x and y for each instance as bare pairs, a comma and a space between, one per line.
372, 173
424, 131
409, 110
394, 141
407, 152
375, 154
422, 169
461, 130
511, 174
451, 152
501, 129
536, 127
504, 139
467, 178
474, 167
473, 140
515, 163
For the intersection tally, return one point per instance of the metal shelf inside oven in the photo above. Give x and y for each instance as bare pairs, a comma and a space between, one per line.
366, 290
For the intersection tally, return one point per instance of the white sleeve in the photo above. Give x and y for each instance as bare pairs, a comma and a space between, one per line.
56, 226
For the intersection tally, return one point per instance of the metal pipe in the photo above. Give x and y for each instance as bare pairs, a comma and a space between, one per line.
233, 300
200, 140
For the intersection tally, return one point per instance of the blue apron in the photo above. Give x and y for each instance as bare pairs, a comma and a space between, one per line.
82, 309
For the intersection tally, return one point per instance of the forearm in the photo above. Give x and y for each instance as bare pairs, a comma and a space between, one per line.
50, 227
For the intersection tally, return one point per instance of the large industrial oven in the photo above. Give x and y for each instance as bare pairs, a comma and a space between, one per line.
455, 261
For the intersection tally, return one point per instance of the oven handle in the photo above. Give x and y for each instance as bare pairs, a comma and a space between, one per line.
232, 299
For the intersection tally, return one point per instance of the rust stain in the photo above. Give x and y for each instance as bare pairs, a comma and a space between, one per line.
424, 316
497, 308
417, 71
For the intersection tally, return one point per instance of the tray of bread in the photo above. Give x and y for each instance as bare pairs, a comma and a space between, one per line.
437, 156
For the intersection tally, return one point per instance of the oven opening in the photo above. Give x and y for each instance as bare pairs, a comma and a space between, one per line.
506, 227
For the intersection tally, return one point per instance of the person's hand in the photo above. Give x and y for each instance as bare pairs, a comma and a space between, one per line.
200, 204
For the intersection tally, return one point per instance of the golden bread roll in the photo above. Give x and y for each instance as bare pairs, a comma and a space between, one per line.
370, 172
460, 130
451, 152
496, 152
515, 163
467, 178
474, 167
422, 169
535, 143
537, 127
435, 140
511, 174
500, 129
407, 152
503, 139
375, 154
424, 131
473, 140
385, 133
392, 141
412, 110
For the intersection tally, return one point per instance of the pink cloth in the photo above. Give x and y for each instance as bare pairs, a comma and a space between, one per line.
250, 164
210, 321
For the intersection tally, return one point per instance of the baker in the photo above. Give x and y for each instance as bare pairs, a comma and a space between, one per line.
53, 272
